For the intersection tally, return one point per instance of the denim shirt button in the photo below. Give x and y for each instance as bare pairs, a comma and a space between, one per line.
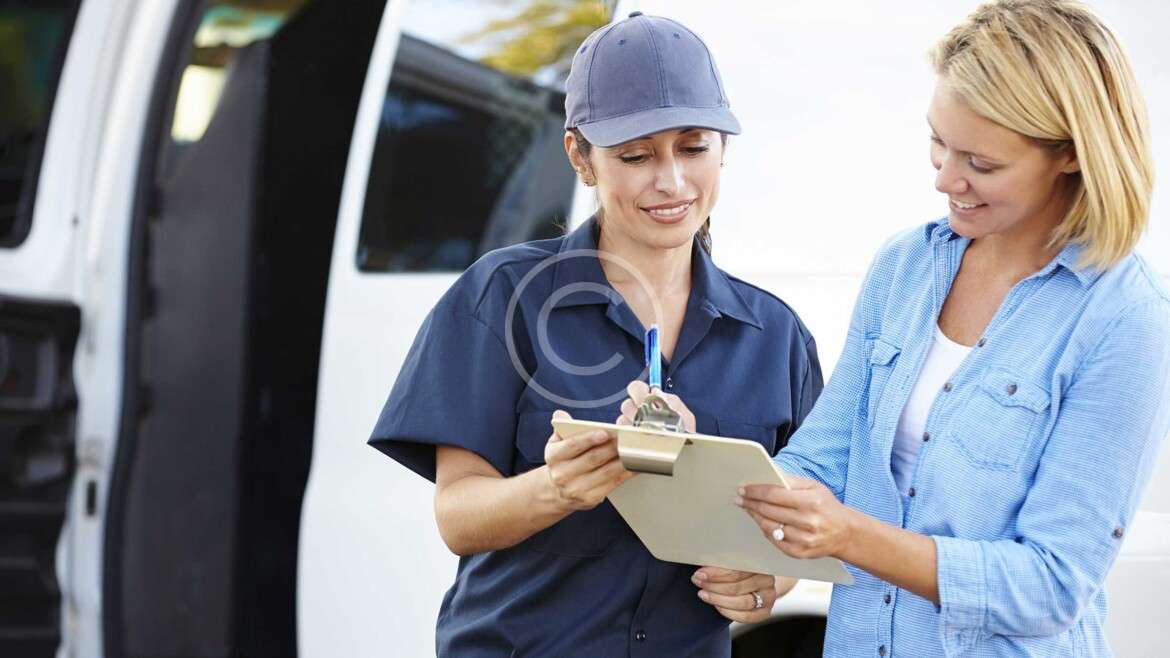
1011, 389
947, 387
925, 437
981, 343
1118, 533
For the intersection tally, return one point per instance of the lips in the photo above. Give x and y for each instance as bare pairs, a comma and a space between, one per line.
669, 213
964, 206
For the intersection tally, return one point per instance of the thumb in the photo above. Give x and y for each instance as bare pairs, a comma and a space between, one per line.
559, 414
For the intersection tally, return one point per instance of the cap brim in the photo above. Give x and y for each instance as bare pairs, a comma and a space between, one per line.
618, 130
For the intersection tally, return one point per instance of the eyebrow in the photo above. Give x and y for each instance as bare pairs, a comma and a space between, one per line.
972, 153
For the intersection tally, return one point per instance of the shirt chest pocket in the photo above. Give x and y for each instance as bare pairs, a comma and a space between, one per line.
764, 435
586, 533
883, 357
1001, 419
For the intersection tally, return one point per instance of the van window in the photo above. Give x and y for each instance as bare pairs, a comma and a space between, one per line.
225, 28
34, 35
469, 153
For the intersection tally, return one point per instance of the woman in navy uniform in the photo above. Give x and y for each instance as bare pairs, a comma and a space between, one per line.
548, 567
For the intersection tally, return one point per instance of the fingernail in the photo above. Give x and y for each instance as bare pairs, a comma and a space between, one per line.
741, 491
701, 575
739, 501
703, 595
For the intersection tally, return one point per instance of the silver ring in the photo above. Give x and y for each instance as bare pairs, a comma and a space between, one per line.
778, 533
759, 601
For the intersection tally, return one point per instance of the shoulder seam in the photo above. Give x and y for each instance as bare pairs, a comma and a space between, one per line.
1113, 322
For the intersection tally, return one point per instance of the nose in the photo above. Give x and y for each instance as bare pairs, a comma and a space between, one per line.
669, 178
949, 179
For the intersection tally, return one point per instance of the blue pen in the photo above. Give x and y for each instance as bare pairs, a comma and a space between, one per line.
654, 358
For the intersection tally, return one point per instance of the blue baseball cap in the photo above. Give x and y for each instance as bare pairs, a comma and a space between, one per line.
643, 75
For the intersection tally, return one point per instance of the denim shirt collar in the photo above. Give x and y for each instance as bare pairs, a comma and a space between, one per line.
940, 231
579, 280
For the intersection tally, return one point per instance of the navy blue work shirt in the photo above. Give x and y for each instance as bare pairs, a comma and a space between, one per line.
536, 327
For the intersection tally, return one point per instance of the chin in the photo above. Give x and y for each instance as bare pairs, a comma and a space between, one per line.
966, 228
671, 237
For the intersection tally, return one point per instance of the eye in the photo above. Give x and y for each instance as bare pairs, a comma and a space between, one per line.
633, 159
980, 169
696, 150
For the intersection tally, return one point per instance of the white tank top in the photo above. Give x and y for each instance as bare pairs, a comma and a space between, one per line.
942, 359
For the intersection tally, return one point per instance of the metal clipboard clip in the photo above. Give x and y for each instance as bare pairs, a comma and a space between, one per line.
657, 453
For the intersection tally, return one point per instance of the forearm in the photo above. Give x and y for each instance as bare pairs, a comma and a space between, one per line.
900, 557
479, 513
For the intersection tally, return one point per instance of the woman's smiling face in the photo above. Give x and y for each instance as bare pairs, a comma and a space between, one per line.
997, 180
659, 189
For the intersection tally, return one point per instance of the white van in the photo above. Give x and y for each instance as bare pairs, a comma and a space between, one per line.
222, 222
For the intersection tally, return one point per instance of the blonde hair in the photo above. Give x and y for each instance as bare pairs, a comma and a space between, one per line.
1052, 71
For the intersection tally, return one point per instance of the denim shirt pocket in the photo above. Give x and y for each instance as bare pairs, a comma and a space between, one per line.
764, 435
585, 533
883, 358
1000, 420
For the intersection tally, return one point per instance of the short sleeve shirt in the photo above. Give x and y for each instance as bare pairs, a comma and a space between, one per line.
536, 327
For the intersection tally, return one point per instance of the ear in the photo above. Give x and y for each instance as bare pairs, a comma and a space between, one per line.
1069, 164
579, 164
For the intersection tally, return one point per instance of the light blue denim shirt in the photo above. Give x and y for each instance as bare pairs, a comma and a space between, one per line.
1034, 459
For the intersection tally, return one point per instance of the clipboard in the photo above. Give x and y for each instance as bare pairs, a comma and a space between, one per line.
681, 503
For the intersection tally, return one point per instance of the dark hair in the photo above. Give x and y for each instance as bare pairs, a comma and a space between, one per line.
704, 232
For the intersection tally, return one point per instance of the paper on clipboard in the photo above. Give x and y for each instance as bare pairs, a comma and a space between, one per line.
689, 516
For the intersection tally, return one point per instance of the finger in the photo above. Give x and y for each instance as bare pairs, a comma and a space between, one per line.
721, 575
754, 583
597, 484
784, 585
771, 493
637, 390
739, 602
786, 515
623, 420
569, 447
746, 617
559, 414
629, 409
587, 462
675, 402
797, 542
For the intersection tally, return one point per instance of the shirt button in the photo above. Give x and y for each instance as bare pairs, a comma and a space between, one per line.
981, 343
640, 636
669, 382
882, 650
925, 436
887, 599
1011, 389
947, 387
1118, 533
912, 493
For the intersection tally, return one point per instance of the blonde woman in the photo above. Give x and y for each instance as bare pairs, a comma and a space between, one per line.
986, 436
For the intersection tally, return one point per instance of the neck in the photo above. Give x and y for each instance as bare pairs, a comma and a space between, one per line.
667, 271
1024, 249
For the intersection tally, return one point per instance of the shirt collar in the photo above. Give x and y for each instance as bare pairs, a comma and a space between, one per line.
1068, 258
578, 263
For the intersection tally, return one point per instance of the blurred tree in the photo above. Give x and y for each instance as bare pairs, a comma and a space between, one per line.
544, 34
